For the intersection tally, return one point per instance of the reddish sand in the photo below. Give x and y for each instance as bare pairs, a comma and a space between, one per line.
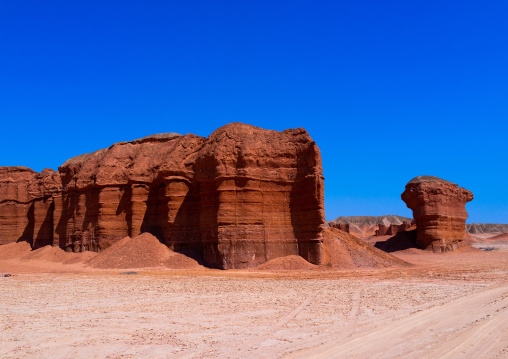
445, 305
287, 263
14, 250
142, 251
499, 237
345, 251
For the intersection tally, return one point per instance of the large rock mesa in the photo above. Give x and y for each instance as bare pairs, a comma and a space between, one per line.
238, 198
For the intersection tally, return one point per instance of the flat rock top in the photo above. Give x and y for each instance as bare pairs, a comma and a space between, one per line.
157, 137
16, 169
420, 179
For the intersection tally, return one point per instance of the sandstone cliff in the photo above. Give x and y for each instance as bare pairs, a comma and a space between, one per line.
238, 198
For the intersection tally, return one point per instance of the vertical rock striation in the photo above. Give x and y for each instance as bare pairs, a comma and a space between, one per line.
439, 209
261, 196
239, 198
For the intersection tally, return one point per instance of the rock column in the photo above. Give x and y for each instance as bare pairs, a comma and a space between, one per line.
439, 209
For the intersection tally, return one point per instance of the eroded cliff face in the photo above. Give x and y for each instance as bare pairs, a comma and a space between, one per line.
239, 198
261, 196
439, 209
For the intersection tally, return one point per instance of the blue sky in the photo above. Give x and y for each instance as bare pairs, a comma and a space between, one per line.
389, 90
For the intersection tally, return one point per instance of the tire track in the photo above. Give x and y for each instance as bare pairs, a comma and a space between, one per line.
256, 340
487, 336
355, 307
462, 328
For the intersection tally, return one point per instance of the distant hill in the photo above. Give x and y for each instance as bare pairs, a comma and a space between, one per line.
367, 225
486, 228
362, 221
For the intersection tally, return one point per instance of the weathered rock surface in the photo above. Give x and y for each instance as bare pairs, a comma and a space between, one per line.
239, 198
261, 196
439, 209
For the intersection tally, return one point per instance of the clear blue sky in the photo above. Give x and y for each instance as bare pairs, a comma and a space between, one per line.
389, 90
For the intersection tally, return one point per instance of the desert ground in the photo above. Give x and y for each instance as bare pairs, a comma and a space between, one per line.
452, 305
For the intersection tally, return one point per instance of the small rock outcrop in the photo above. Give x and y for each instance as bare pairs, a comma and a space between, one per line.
344, 227
392, 230
238, 198
439, 209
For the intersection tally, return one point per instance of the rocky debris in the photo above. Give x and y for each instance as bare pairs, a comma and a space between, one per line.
439, 209
239, 198
344, 251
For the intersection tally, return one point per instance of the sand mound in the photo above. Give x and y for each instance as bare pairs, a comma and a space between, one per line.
48, 253
139, 252
500, 237
142, 251
469, 238
80, 257
413, 251
342, 250
292, 262
14, 250
181, 261
56, 254
466, 248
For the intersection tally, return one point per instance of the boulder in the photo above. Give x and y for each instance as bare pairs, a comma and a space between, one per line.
439, 209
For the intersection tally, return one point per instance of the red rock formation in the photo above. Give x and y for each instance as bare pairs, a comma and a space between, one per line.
392, 229
261, 196
14, 197
382, 230
241, 197
341, 226
439, 209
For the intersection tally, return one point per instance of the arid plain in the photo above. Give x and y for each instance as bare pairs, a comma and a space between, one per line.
452, 305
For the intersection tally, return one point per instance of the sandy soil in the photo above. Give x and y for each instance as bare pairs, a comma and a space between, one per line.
445, 306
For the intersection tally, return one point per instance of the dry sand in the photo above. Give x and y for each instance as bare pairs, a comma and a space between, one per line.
451, 305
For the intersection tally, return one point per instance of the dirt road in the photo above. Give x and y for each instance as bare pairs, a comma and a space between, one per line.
474, 326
